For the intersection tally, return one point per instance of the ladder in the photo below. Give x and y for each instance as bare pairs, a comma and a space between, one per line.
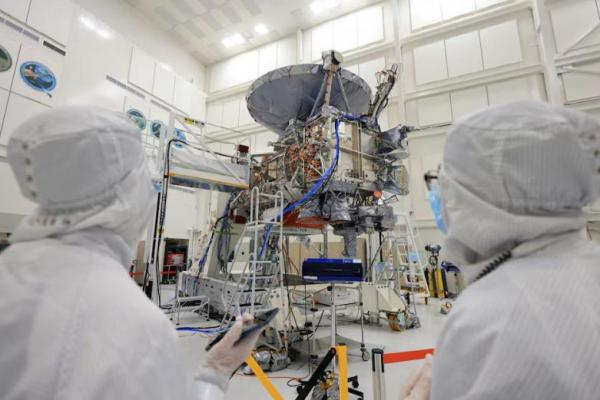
404, 269
262, 271
415, 275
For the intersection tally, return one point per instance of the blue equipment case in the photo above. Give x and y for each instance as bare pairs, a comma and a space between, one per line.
332, 270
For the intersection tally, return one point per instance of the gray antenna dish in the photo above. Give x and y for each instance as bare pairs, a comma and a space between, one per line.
289, 93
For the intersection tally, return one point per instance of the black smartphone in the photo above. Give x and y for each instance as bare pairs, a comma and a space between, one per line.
261, 320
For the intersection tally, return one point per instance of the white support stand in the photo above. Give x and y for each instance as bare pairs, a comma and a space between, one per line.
545, 34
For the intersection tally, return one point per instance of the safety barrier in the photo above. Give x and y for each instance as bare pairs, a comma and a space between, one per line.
379, 359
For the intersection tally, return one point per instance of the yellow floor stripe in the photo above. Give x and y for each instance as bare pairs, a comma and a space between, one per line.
342, 359
263, 378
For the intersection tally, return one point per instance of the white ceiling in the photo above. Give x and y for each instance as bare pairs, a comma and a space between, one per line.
201, 25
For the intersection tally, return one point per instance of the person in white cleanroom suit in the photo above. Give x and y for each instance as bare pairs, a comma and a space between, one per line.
514, 181
74, 325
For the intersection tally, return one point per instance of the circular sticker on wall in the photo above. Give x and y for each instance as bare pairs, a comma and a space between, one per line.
5, 60
179, 134
38, 77
138, 117
155, 128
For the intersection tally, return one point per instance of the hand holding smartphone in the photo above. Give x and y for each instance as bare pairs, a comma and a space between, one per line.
260, 321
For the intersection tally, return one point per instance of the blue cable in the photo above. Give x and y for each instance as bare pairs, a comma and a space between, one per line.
208, 331
314, 188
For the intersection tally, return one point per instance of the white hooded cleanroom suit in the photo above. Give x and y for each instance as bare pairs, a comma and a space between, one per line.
514, 183
73, 323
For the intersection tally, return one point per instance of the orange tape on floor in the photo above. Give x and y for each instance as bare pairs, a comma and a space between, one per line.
389, 358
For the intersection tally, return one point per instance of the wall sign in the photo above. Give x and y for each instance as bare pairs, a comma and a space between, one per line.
138, 117
179, 134
38, 77
155, 128
5, 60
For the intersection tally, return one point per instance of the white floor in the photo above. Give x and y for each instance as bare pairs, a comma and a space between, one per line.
248, 387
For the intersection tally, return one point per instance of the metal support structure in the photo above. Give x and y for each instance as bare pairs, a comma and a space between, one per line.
408, 265
194, 304
153, 236
254, 217
546, 45
579, 70
152, 252
580, 39
257, 269
321, 371
325, 251
398, 59
205, 146
333, 319
363, 348
305, 390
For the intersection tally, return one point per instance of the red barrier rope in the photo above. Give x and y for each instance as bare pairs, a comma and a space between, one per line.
389, 358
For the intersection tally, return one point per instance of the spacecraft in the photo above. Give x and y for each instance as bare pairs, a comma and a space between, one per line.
331, 160
330, 165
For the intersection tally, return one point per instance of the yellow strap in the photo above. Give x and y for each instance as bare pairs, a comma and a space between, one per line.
342, 358
263, 378
440, 282
190, 121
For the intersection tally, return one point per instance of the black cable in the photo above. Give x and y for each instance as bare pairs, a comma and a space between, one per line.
317, 376
380, 246
146, 269
161, 209
492, 266
162, 213
305, 304
317, 326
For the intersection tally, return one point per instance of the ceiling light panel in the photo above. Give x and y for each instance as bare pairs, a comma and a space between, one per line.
320, 6
234, 40
261, 29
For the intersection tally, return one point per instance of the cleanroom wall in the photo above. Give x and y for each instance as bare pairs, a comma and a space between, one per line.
462, 56
112, 58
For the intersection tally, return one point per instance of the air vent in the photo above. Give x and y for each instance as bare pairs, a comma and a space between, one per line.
20, 29
14, 26
55, 48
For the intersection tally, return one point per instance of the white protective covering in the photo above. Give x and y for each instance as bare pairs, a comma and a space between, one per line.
206, 162
516, 177
74, 325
